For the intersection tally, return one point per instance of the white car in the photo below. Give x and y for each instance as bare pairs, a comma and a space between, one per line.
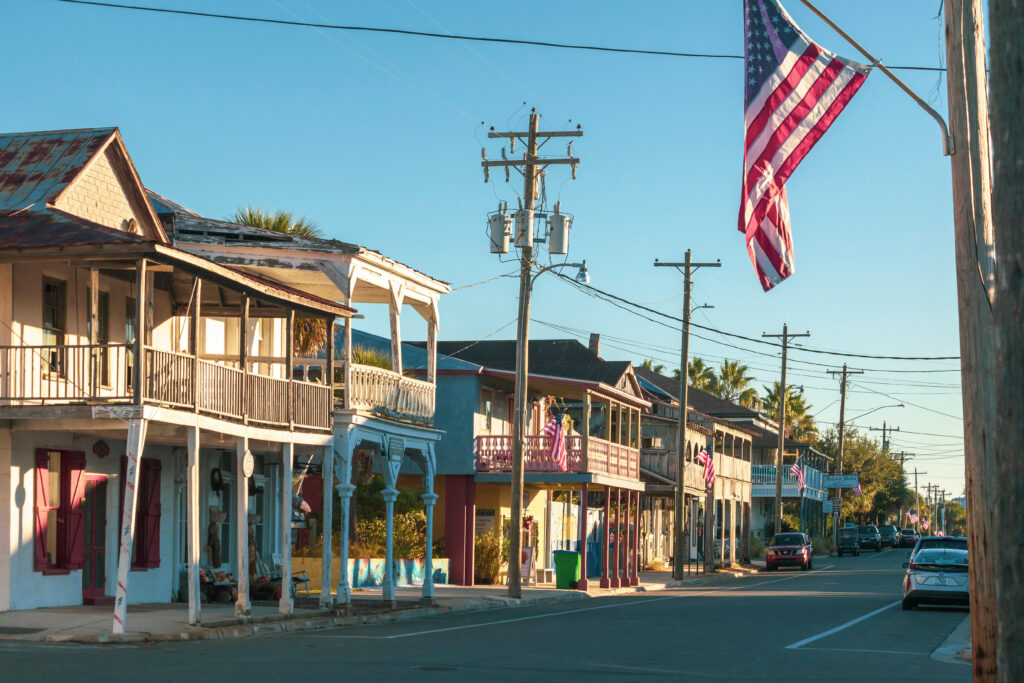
936, 575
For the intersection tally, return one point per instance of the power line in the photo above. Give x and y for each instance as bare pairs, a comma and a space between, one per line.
429, 34
734, 335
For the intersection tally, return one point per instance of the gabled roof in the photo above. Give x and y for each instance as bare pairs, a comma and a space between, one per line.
38, 168
35, 168
699, 400
554, 357
54, 228
162, 204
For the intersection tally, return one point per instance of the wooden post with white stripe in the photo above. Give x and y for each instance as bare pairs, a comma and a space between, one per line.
126, 533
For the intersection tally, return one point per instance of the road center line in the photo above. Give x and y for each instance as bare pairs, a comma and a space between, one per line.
570, 611
841, 627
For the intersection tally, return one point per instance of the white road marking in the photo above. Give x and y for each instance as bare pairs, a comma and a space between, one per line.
841, 627
880, 652
882, 553
570, 611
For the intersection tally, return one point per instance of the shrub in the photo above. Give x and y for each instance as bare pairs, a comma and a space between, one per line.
756, 546
655, 566
490, 553
822, 545
408, 536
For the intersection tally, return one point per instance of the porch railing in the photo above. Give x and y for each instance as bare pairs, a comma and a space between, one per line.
384, 392
102, 373
765, 474
494, 454
64, 373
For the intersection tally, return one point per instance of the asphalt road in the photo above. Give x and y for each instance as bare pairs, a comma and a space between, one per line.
841, 621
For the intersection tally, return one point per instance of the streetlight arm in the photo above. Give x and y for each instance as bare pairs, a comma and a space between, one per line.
894, 405
554, 266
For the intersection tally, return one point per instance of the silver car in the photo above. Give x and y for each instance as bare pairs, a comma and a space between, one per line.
936, 575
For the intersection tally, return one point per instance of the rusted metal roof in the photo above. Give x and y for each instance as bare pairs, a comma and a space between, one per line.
52, 228
36, 167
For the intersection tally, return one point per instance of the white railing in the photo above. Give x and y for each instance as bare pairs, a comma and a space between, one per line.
391, 394
64, 373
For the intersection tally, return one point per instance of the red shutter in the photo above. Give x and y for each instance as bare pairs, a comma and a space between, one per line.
74, 466
42, 508
151, 515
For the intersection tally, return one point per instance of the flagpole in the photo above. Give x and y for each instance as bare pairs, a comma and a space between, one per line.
947, 141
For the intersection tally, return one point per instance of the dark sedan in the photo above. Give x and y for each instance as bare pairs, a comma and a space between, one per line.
890, 536
869, 537
910, 538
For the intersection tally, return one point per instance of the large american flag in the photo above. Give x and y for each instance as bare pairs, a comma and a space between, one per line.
709, 468
555, 430
798, 472
795, 89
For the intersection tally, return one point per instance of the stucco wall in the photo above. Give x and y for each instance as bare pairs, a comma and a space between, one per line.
30, 588
457, 402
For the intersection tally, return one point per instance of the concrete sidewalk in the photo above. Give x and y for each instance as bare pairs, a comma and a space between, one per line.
168, 621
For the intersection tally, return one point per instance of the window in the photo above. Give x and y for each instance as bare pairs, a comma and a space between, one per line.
146, 547
53, 323
487, 408
59, 522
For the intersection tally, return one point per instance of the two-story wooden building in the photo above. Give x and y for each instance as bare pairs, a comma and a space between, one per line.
149, 418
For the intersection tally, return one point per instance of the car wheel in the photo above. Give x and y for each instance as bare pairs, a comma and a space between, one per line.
908, 603
856, 553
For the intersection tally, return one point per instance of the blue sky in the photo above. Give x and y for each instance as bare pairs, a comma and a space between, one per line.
377, 138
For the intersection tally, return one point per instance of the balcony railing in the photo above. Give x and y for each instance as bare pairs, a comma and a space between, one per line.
765, 474
102, 373
380, 391
664, 464
494, 454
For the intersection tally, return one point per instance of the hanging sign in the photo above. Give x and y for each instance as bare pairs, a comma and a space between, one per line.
248, 464
839, 481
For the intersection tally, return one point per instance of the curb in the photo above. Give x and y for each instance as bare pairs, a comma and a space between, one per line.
274, 624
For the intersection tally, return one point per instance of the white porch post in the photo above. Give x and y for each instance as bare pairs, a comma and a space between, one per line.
395, 311
327, 554
432, 327
429, 498
193, 512
390, 495
242, 605
286, 603
343, 456
732, 532
136, 441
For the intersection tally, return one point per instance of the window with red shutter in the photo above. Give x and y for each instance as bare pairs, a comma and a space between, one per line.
149, 555
58, 516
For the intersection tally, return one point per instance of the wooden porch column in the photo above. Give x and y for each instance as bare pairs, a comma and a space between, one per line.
429, 498
194, 522
732, 532
94, 322
343, 459
635, 579
605, 581
582, 583
289, 368
140, 333
243, 352
617, 540
327, 552
286, 604
585, 438
347, 403
721, 533
242, 604
394, 315
390, 495
432, 327
193, 342
136, 441
627, 538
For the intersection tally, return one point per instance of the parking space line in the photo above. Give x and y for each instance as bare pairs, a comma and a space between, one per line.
841, 627
561, 612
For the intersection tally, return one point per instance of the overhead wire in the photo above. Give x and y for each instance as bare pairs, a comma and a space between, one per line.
445, 36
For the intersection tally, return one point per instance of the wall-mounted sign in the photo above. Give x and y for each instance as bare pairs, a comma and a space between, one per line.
826, 506
248, 464
840, 481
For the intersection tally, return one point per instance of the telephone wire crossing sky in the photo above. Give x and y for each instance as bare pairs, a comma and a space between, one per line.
794, 90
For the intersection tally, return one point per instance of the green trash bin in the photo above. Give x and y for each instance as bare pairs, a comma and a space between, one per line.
567, 568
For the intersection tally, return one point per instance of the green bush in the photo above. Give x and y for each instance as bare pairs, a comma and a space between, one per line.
822, 545
490, 553
408, 535
756, 546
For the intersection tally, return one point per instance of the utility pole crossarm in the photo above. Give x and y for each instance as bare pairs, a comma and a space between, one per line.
526, 136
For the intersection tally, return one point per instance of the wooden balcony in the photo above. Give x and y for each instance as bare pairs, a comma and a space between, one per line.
102, 373
494, 454
379, 391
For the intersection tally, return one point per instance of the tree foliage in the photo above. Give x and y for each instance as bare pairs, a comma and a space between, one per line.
734, 384
700, 375
278, 221
800, 423
884, 489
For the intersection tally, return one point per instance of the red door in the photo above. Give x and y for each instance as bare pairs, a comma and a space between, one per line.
94, 509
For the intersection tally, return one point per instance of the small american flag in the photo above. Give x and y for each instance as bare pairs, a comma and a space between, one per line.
857, 491
913, 517
709, 468
924, 523
555, 430
794, 90
798, 472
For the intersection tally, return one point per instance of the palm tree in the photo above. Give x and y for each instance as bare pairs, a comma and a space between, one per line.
701, 375
649, 364
278, 221
799, 422
734, 385
310, 334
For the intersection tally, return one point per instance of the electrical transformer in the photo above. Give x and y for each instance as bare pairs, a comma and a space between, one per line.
558, 233
500, 225
524, 229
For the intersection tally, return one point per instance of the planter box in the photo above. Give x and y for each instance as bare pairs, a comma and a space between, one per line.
365, 572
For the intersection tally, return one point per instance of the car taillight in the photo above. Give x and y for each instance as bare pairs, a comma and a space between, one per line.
916, 567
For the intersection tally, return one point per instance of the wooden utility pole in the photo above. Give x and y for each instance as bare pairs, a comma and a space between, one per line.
530, 165
975, 256
845, 373
783, 391
917, 502
680, 538
1006, 94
